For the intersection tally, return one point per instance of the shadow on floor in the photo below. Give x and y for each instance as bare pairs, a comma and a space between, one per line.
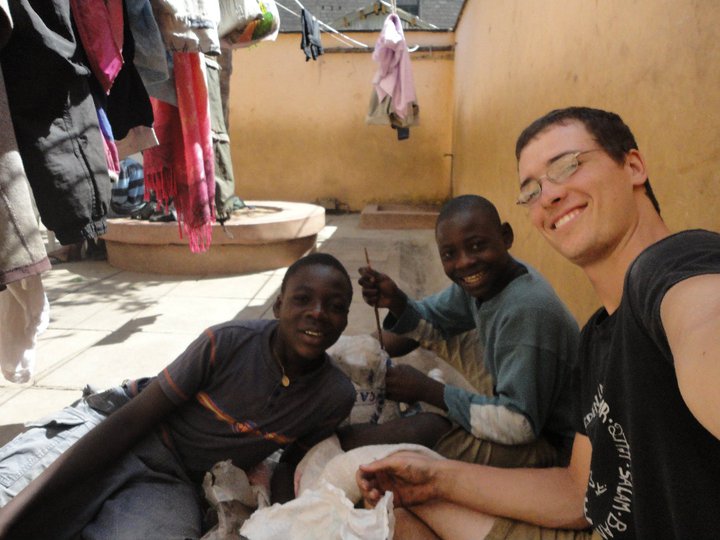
9, 431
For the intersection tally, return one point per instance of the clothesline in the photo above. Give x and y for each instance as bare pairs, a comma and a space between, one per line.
327, 28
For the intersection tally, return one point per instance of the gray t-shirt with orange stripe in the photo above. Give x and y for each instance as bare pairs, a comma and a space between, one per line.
233, 406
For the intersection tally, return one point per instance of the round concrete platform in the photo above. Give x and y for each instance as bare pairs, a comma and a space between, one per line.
264, 236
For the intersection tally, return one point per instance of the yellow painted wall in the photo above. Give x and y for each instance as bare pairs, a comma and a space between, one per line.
654, 62
298, 129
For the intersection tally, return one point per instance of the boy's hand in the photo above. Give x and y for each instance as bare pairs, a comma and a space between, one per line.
409, 475
406, 384
379, 290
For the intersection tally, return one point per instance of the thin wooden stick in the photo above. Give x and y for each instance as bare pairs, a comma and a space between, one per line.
375, 308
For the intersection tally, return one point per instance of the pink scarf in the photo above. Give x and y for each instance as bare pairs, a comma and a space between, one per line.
182, 166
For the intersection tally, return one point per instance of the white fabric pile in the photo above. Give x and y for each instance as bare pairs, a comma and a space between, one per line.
327, 493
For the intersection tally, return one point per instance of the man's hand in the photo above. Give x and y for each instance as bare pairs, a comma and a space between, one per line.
406, 384
409, 475
379, 290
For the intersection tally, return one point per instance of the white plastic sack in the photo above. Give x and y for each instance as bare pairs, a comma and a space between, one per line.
365, 363
362, 359
324, 513
312, 465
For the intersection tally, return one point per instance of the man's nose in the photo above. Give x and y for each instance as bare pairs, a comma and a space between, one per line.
551, 192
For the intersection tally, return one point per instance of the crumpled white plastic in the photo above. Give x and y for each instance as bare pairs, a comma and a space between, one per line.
324, 507
235, 495
339, 469
324, 513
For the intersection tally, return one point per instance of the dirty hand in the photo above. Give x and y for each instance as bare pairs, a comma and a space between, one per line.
381, 291
406, 384
409, 475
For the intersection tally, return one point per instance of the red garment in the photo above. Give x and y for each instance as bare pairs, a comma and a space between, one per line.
100, 27
181, 168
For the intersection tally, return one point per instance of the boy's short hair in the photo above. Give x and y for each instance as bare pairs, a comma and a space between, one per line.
607, 128
313, 259
468, 202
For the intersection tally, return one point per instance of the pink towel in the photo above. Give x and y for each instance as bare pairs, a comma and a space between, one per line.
182, 166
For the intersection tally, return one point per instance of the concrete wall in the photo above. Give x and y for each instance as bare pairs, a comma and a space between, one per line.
298, 128
655, 62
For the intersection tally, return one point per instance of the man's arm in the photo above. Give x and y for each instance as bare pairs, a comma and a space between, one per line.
690, 313
92, 453
552, 497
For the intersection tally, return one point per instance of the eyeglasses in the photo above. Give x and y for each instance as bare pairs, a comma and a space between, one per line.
558, 173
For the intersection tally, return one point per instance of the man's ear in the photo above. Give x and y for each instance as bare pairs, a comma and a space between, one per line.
276, 306
508, 235
635, 163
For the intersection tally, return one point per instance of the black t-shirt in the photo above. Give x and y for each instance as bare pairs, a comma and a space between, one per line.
655, 470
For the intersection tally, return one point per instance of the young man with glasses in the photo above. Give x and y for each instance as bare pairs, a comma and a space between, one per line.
646, 456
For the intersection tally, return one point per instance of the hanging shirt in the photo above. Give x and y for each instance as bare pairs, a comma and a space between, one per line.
394, 75
310, 41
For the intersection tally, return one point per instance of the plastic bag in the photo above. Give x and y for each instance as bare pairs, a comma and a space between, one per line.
245, 22
339, 470
365, 363
325, 509
235, 495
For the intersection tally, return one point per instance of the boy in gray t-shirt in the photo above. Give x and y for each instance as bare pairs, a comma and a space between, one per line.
240, 391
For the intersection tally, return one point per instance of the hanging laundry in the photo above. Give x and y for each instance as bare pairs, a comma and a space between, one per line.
189, 25
164, 90
184, 26
181, 168
57, 131
151, 60
22, 251
24, 315
128, 104
225, 199
24, 308
111, 152
99, 26
150, 53
310, 39
393, 99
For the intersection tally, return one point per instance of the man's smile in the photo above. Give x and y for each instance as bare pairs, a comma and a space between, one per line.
566, 218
